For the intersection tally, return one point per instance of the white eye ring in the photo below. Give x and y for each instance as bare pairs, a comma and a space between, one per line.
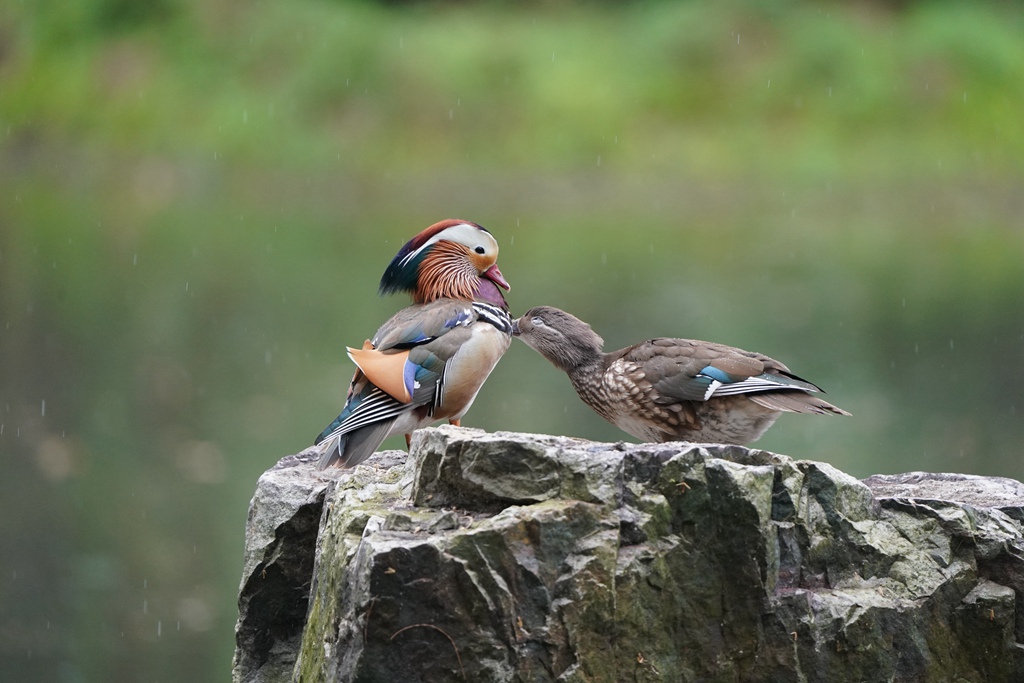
536, 320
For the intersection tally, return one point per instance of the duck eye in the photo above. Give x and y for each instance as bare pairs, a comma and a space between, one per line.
537, 320
479, 250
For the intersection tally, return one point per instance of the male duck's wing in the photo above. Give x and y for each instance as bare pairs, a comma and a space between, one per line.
401, 369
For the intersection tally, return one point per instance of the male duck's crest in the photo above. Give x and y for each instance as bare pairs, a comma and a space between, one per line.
452, 259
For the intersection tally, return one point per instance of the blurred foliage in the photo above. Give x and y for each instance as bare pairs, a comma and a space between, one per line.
199, 198
744, 87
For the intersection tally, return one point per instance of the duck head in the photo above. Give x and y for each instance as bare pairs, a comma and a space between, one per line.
451, 259
563, 339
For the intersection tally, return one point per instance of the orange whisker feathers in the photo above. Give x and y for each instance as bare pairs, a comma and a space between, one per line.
446, 273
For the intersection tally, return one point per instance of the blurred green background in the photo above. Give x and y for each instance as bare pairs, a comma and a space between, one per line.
198, 197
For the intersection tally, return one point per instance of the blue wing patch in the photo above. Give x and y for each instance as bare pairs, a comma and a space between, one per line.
409, 376
717, 375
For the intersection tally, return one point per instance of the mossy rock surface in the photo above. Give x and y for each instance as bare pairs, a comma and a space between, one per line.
518, 558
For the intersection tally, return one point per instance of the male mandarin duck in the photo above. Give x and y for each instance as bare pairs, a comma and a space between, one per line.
671, 389
428, 361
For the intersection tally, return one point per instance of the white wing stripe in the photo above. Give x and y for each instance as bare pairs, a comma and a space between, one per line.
747, 386
712, 388
374, 408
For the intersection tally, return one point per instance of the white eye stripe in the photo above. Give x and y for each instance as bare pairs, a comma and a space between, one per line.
463, 233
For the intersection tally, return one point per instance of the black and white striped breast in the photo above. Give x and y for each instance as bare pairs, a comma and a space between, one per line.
492, 315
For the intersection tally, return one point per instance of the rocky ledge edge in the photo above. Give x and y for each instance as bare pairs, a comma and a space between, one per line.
490, 557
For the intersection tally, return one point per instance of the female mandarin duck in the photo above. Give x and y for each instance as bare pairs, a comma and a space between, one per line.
428, 361
671, 389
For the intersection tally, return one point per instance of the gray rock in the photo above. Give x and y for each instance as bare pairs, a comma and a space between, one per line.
527, 558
